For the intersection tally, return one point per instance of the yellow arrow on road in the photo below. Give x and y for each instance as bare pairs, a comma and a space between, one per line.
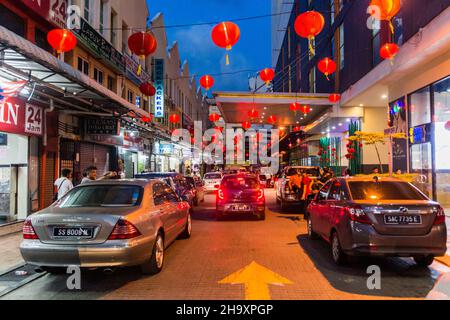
256, 279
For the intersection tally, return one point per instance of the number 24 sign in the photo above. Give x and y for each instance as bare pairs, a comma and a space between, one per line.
33, 120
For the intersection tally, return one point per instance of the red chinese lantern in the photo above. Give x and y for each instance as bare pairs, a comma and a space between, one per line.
213, 117
219, 129
62, 40
297, 129
327, 66
294, 107
272, 119
147, 119
334, 97
253, 114
207, 82
226, 35
142, 44
309, 25
447, 126
267, 75
147, 89
174, 118
246, 125
305, 109
388, 10
389, 51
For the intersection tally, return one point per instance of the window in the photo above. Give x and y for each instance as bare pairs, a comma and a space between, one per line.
384, 190
41, 40
87, 7
312, 80
102, 196
441, 92
341, 47
102, 17
332, 12
12, 21
110, 83
113, 25
335, 192
130, 96
376, 45
323, 193
83, 66
420, 108
98, 76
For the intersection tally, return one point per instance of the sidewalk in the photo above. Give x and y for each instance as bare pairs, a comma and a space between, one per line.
9, 251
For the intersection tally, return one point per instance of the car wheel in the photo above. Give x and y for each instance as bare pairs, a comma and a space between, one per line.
156, 262
336, 250
311, 234
186, 234
424, 261
262, 216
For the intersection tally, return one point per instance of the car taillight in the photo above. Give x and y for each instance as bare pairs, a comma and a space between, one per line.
28, 231
220, 194
124, 230
357, 214
440, 217
260, 194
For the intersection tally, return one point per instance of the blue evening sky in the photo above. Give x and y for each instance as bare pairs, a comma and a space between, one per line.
253, 51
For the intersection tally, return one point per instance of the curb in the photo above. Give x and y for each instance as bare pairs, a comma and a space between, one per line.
11, 228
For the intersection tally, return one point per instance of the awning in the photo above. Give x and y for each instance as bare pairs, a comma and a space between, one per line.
55, 79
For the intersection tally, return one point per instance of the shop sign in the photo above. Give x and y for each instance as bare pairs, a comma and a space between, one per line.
399, 155
106, 126
133, 143
100, 46
105, 139
54, 11
420, 134
17, 116
132, 68
159, 86
166, 148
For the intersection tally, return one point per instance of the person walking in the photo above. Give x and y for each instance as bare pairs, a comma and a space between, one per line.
295, 183
63, 184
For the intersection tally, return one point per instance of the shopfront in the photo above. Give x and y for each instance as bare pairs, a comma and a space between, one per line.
21, 127
429, 139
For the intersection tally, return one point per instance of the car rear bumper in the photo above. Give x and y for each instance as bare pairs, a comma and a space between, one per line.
366, 241
210, 188
255, 209
115, 253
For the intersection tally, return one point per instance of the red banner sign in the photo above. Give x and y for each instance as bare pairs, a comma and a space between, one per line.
19, 117
54, 11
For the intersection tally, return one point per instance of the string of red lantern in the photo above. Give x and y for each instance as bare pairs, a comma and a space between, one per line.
246, 125
62, 40
272, 119
253, 114
174, 118
385, 10
389, 51
142, 44
207, 82
334, 97
267, 75
327, 66
147, 119
213, 117
305, 109
226, 35
308, 25
147, 89
294, 107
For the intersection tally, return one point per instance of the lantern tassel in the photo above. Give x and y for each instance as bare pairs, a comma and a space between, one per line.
391, 26
139, 71
227, 59
328, 78
311, 47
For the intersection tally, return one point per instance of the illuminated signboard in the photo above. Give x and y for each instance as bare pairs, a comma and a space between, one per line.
159, 86
420, 134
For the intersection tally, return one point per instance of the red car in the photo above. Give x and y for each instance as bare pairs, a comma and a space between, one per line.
241, 194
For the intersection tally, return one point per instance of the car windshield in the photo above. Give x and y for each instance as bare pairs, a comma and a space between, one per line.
240, 183
213, 176
309, 171
102, 196
384, 190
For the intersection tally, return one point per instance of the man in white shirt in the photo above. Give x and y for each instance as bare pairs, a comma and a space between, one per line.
64, 184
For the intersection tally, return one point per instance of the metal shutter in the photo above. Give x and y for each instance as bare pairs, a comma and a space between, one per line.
49, 179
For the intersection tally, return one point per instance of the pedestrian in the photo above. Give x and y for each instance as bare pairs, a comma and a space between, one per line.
90, 174
307, 183
295, 183
375, 170
63, 184
347, 173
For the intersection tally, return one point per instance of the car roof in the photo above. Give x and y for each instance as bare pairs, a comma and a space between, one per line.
371, 178
236, 175
135, 182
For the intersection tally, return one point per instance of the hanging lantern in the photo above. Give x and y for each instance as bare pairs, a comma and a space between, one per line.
142, 44
253, 114
305, 109
219, 129
447, 126
213, 117
272, 119
246, 125
174, 118
327, 66
267, 75
207, 82
62, 40
297, 129
388, 10
147, 119
294, 107
334, 97
147, 89
389, 51
309, 25
226, 35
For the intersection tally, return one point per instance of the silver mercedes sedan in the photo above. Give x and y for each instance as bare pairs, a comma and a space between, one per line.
107, 224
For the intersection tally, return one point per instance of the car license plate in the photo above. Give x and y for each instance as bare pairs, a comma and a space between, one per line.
243, 207
402, 219
74, 232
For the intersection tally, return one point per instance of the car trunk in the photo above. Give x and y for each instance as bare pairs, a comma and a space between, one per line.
64, 225
242, 196
399, 217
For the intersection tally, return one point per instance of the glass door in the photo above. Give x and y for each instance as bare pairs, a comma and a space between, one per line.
421, 163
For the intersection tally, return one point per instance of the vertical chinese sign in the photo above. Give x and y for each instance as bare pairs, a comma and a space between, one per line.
159, 86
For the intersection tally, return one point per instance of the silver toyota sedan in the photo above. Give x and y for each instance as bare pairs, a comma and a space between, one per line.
377, 216
107, 224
